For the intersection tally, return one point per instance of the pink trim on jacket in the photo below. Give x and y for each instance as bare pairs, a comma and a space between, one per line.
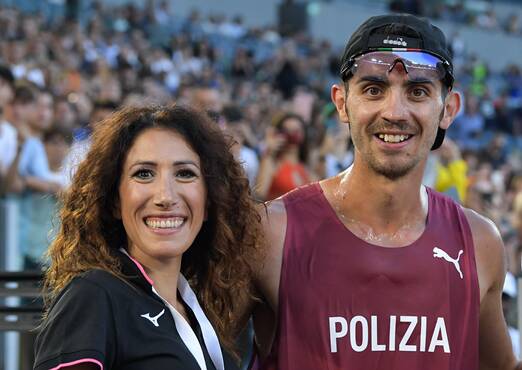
140, 267
67, 364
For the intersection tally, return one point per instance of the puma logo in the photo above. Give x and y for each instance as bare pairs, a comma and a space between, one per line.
439, 253
154, 319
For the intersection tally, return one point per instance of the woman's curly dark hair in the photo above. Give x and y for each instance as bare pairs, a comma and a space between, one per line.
218, 264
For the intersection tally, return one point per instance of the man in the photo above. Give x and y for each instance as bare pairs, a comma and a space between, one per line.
29, 170
369, 269
8, 139
77, 152
238, 128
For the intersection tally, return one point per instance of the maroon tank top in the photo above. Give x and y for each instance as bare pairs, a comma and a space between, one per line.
347, 304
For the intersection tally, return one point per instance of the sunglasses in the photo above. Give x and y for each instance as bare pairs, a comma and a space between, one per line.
417, 64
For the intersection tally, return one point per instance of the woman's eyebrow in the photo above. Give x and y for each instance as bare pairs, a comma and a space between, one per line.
175, 163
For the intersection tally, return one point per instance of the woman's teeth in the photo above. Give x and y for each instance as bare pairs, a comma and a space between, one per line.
165, 223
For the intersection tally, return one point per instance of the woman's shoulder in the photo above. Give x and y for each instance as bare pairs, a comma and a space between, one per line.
104, 280
98, 276
91, 285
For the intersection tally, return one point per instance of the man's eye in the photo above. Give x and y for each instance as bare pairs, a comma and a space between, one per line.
419, 92
373, 91
143, 174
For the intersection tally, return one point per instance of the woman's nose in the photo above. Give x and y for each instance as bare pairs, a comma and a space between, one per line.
166, 195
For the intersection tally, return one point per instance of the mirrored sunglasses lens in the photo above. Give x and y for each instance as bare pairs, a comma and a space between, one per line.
418, 64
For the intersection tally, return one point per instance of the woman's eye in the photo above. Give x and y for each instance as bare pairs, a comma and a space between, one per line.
143, 174
186, 174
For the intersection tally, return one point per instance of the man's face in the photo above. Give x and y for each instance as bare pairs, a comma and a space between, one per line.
98, 115
6, 93
26, 113
45, 114
393, 118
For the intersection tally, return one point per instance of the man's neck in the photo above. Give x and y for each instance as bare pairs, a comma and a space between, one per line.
380, 204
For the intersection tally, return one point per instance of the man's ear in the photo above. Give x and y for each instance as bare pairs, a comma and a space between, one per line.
338, 97
451, 109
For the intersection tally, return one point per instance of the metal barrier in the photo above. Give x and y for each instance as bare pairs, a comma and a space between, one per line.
18, 290
27, 315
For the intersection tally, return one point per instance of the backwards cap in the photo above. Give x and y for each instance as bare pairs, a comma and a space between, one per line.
403, 31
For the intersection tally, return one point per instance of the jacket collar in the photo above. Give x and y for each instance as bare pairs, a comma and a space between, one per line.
134, 272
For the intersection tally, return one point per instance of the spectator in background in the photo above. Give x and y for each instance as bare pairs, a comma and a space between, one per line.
80, 147
8, 134
57, 142
513, 25
335, 150
469, 125
45, 108
65, 114
205, 98
451, 172
39, 211
30, 169
283, 163
239, 130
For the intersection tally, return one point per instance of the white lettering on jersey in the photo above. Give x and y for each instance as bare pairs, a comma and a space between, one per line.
376, 347
353, 332
422, 346
363, 335
403, 347
393, 325
440, 329
334, 334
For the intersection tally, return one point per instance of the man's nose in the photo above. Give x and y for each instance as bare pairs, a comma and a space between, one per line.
395, 106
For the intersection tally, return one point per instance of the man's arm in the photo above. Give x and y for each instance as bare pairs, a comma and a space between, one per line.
12, 182
495, 348
268, 275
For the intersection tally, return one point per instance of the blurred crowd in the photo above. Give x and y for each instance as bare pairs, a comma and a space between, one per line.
481, 14
60, 76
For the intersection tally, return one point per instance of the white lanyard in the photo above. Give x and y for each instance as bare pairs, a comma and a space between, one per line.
185, 330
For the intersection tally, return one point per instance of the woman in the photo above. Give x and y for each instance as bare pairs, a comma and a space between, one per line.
283, 163
159, 200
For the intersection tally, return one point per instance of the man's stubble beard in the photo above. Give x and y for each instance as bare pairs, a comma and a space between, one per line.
396, 171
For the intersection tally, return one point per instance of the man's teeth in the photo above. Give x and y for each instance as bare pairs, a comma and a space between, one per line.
393, 138
165, 224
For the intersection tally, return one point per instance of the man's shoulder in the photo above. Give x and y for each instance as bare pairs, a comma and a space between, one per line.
272, 213
7, 129
487, 240
481, 226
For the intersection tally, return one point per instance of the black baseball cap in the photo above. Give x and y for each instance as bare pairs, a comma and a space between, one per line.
404, 31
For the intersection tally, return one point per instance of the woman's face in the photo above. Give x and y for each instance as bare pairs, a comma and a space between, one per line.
162, 197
